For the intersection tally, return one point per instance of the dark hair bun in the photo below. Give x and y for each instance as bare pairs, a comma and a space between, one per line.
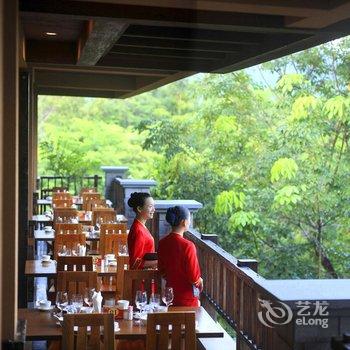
175, 215
137, 199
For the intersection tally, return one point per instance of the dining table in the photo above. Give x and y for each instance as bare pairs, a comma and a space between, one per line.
37, 268
42, 325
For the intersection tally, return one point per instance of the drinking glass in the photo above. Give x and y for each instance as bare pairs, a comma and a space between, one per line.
122, 250
61, 301
77, 302
88, 294
168, 296
140, 300
154, 300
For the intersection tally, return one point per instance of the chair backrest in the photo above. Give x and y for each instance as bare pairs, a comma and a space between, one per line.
180, 336
88, 340
88, 196
95, 204
122, 266
66, 214
70, 241
75, 282
106, 215
133, 281
68, 228
113, 228
109, 243
74, 263
61, 196
62, 203
87, 190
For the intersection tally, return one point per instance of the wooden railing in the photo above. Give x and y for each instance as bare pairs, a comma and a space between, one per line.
72, 183
234, 290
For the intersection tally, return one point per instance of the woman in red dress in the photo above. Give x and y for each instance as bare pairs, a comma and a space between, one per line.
177, 260
140, 241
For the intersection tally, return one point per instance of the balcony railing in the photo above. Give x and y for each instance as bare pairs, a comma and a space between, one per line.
237, 292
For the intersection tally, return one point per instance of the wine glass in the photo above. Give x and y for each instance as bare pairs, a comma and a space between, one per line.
77, 302
168, 296
88, 294
61, 301
154, 300
140, 300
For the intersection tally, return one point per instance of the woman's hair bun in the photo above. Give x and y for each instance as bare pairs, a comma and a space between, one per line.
175, 215
137, 199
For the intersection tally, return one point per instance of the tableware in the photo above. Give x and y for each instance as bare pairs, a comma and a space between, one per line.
123, 250
88, 294
77, 302
140, 300
48, 228
61, 301
168, 296
154, 300
160, 308
110, 256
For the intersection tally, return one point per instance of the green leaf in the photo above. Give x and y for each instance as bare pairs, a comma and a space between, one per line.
226, 202
284, 168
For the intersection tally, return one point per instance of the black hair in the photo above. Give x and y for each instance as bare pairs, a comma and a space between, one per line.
174, 215
137, 199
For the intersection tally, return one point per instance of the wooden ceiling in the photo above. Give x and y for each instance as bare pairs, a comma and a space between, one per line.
117, 49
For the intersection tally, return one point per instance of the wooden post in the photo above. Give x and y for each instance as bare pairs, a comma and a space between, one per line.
251, 263
210, 237
9, 167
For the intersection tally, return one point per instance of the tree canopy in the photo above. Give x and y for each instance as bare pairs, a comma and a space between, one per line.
268, 159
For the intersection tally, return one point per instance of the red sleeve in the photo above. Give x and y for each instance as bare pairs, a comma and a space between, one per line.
136, 247
161, 268
192, 268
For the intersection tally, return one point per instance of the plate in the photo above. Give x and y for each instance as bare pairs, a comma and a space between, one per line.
46, 262
41, 308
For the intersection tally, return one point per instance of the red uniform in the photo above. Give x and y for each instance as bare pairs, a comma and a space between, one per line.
140, 242
178, 263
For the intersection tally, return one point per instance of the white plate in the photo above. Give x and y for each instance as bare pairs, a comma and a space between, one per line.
41, 308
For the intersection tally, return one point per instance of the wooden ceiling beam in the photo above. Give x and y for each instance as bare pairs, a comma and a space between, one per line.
57, 91
180, 45
282, 7
51, 52
84, 81
97, 38
185, 65
336, 14
100, 70
156, 15
144, 51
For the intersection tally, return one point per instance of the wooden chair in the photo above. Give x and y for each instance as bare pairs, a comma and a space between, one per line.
66, 214
88, 340
122, 266
70, 241
109, 244
74, 263
88, 196
61, 196
95, 204
133, 280
68, 228
75, 282
181, 335
62, 203
105, 216
113, 228
87, 190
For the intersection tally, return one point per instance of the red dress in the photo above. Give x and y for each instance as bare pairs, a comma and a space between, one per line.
140, 242
178, 263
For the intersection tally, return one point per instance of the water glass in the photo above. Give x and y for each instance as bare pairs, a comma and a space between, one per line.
154, 300
88, 294
140, 300
61, 301
168, 296
77, 302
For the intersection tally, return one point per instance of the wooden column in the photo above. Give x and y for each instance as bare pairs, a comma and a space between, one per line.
8, 166
23, 181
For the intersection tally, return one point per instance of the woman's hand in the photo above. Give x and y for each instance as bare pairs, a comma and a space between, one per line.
200, 284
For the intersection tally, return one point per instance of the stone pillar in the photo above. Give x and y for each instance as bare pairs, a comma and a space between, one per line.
161, 228
111, 172
122, 191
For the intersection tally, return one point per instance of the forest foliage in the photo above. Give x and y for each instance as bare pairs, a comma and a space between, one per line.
269, 159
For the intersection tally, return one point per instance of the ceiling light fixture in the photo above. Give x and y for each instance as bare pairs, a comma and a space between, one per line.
50, 33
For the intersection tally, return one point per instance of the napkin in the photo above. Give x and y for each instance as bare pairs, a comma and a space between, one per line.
97, 302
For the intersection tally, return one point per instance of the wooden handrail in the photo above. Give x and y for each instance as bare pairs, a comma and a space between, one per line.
235, 291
